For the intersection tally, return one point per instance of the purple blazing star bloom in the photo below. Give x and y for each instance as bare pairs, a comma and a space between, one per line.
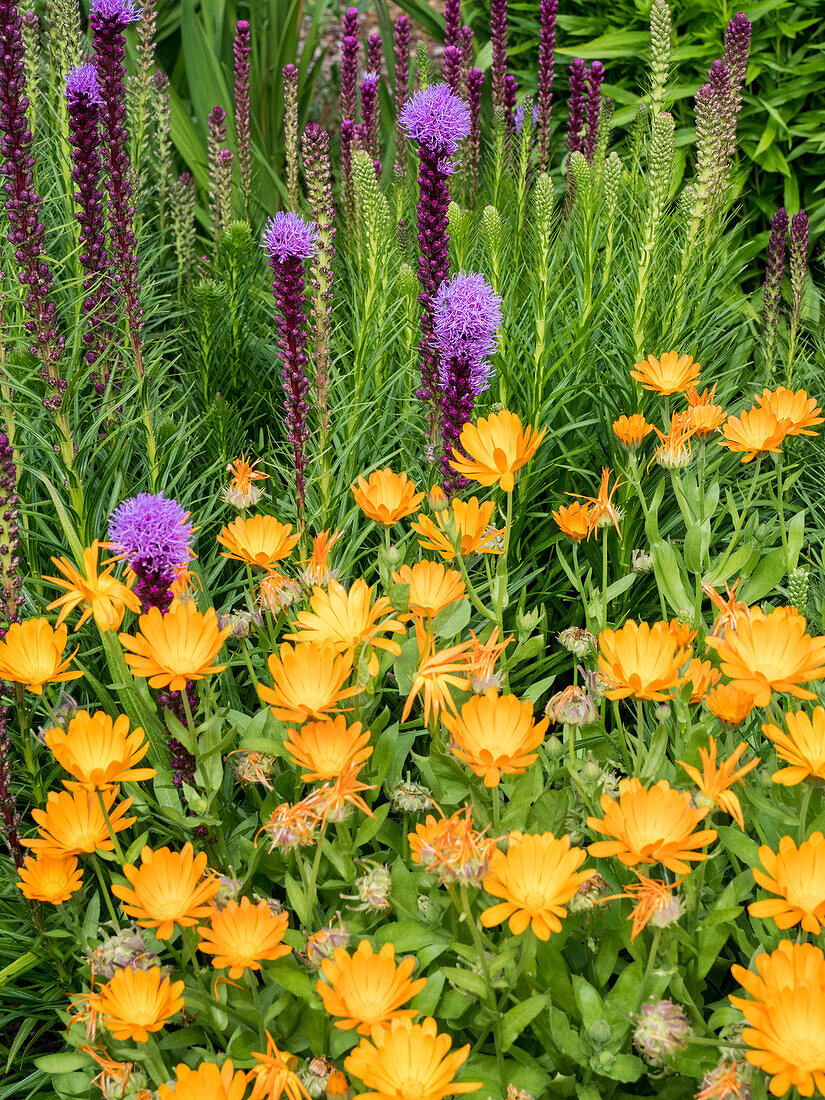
467, 316
288, 236
436, 118
124, 11
519, 117
153, 529
81, 82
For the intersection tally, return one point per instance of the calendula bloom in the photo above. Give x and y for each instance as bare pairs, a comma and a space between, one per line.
495, 735
631, 431
98, 752
242, 936
715, 781
642, 660
656, 903
466, 523
273, 1075
386, 497
802, 747
771, 652
432, 587
754, 432
602, 512
241, 490
497, 446
317, 567
670, 373
484, 658
136, 1002
207, 1082
801, 411
367, 990
291, 826
259, 540
49, 878
573, 520
701, 675
536, 876
170, 649
73, 822
674, 445
683, 633
451, 849
437, 672
797, 876
327, 748
168, 888
308, 681
100, 594
331, 801
729, 1081
32, 654
406, 1061
338, 1087
706, 419
729, 609
276, 592
730, 704
651, 825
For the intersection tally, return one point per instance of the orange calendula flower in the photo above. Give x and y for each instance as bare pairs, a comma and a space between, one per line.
754, 432
655, 902
670, 373
406, 1061
706, 419
715, 781
602, 511
729, 609
367, 990
241, 936
701, 675
101, 594
327, 748
170, 649
631, 431
651, 825
277, 592
273, 1075
465, 523
308, 681
726, 1082
484, 658
771, 652
137, 1002
682, 632
802, 747
437, 672
642, 660
32, 654
168, 888
730, 704
573, 520
797, 876
291, 826
451, 848
386, 497
259, 540
801, 411
241, 490
495, 735
497, 446
317, 567
98, 752
536, 877
674, 448
49, 878
331, 801
73, 822
207, 1082
432, 587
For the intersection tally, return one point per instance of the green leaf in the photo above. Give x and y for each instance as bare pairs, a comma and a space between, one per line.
514, 1021
670, 576
767, 575
62, 1063
452, 619
588, 1000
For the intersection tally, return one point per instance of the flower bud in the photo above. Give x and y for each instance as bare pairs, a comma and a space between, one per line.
588, 894
229, 890
373, 889
577, 641
410, 798
641, 562
798, 589
321, 945
599, 1033
661, 1028
126, 947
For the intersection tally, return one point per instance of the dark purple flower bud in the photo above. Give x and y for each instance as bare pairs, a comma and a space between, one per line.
347, 140
182, 761
452, 68
595, 78
349, 24
368, 130
547, 59
475, 83
576, 104
437, 119
242, 47
375, 53
798, 260
510, 90
402, 78
737, 46
452, 23
465, 44
498, 37
349, 63
774, 271
215, 142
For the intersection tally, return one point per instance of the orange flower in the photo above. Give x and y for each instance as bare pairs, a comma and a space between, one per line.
49, 878
574, 520
308, 682
730, 704
98, 752
167, 889
436, 674
632, 430
715, 781
173, 648
406, 1061
536, 876
432, 587
729, 609
259, 540
495, 735
386, 497
102, 595
136, 1002
467, 523
327, 748
682, 632
498, 447
73, 822
207, 1082
726, 1082
803, 747
291, 826
241, 936
674, 446
797, 875
671, 373
642, 660
802, 411
702, 676
651, 825
707, 419
451, 848
317, 567
484, 658
772, 652
241, 491
653, 897
755, 431
367, 990
602, 511
277, 592
31, 653
273, 1075
331, 800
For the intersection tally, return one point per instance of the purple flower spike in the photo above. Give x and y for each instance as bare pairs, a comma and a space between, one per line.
575, 109
402, 78
288, 236
452, 22
475, 82
798, 260
737, 46
595, 78
437, 119
774, 270
498, 38
82, 83
120, 11
154, 535
242, 48
547, 57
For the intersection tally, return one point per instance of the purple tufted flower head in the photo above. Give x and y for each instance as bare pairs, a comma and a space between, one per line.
289, 236
437, 118
467, 315
519, 117
369, 80
152, 530
121, 11
82, 83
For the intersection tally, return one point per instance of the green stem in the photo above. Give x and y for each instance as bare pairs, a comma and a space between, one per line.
471, 592
112, 834
488, 981
107, 897
651, 962
313, 875
604, 579
740, 519
640, 734
496, 809
803, 813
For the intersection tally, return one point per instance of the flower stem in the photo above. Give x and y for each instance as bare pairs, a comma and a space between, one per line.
803, 813
107, 897
112, 834
488, 981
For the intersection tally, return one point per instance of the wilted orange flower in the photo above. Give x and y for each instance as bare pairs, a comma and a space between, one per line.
49, 878
797, 875
241, 490
317, 567
291, 826
651, 825
467, 523
803, 747
308, 681
670, 373
729, 609
331, 800
170, 649
484, 658
113, 1075
406, 1061
642, 660
432, 586
241, 936
755, 431
99, 753
674, 445
101, 594
536, 876
771, 652
73, 822
451, 848
273, 1075
730, 704
327, 748
31, 653
338, 1086
495, 735
715, 781
367, 990
653, 898
252, 767
168, 888
277, 592
602, 511
386, 497
726, 1082
702, 676
437, 672
183, 585
573, 520
207, 1082
802, 411
258, 540
632, 430
498, 446
136, 1002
